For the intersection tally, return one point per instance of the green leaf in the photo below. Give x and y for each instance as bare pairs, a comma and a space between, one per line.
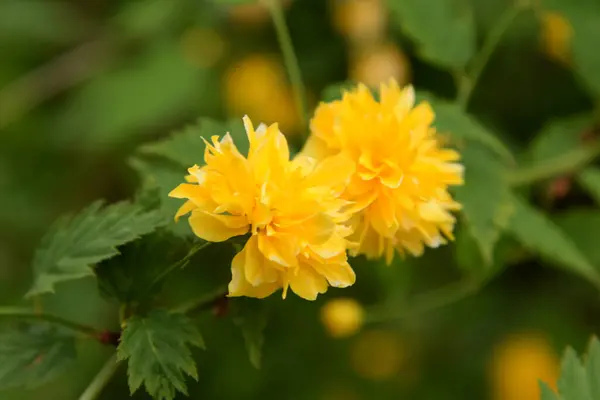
158, 87
583, 227
157, 347
444, 29
75, 244
559, 135
33, 354
547, 393
538, 233
251, 317
486, 198
132, 277
573, 383
140, 19
186, 147
336, 91
593, 368
589, 179
450, 119
159, 178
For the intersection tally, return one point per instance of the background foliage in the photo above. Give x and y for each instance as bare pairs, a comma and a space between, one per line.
108, 100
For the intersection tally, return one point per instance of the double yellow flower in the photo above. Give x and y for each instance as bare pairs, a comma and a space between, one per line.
372, 178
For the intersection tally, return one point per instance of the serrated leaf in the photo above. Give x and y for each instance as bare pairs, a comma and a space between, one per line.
538, 233
157, 350
186, 147
486, 198
444, 29
33, 354
74, 244
589, 179
573, 383
582, 226
451, 119
251, 317
159, 178
547, 392
132, 277
593, 368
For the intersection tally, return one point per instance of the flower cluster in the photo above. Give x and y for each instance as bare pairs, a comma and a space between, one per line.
372, 178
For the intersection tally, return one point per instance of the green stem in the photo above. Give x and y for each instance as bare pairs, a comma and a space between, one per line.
467, 85
563, 164
179, 264
432, 300
101, 379
203, 301
289, 57
26, 314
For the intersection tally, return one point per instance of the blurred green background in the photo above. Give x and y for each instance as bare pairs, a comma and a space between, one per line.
84, 83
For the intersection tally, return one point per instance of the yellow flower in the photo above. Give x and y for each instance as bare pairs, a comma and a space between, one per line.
376, 64
402, 173
556, 36
291, 209
265, 96
342, 317
359, 20
519, 363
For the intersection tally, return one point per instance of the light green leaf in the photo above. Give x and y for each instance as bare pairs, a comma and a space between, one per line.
589, 179
75, 244
450, 119
582, 226
538, 233
186, 147
140, 19
593, 368
251, 317
157, 348
33, 354
158, 87
444, 30
547, 393
557, 136
573, 383
485, 197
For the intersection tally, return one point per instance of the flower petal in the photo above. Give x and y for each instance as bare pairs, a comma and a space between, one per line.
306, 282
217, 228
240, 287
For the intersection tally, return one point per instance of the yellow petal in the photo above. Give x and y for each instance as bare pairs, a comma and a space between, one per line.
306, 283
333, 172
188, 191
280, 250
185, 208
338, 275
258, 269
240, 287
217, 228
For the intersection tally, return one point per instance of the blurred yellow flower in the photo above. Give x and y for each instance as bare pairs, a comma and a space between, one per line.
377, 355
202, 47
376, 64
359, 20
257, 86
519, 362
400, 187
556, 36
342, 317
290, 208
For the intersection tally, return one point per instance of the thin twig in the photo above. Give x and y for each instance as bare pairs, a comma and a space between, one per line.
26, 314
203, 302
468, 84
179, 264
101, 379
289, 57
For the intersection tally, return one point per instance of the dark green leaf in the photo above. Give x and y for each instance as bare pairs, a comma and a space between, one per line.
132, 277
251, 317
76, 243
573, 383
444, 29
589, 178
450, 119
33, 354
485, 197
538, 233
157, 348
